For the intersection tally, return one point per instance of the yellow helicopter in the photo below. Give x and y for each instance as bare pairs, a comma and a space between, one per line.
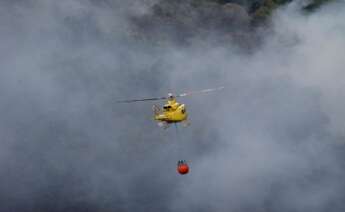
172, 112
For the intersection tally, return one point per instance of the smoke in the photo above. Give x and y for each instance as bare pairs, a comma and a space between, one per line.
272, 140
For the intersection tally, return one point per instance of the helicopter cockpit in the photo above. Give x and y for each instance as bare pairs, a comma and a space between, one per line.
171, 101
167, 107
172, 104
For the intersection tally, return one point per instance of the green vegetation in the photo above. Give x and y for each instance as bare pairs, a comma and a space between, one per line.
260, 12
180, 21
315, 4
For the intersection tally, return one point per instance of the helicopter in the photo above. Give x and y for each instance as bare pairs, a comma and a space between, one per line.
172, 111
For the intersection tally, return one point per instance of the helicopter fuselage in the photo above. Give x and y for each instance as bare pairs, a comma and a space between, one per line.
172, 112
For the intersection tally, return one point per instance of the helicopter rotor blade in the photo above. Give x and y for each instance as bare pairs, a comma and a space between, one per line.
201, 91
180, 95
141, 100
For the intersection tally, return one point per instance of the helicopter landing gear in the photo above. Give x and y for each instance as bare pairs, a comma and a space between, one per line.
163, 124
186, 123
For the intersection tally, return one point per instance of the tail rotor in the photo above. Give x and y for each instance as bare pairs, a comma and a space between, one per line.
156, 110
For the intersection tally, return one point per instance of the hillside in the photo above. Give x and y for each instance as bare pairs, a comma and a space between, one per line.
185, 21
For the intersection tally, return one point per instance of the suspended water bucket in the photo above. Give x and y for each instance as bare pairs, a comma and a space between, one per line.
182, 167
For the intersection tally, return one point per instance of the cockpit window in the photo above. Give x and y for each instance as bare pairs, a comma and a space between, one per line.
166, 107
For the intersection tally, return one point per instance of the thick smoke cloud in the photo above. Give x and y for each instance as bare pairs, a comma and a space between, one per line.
271, 141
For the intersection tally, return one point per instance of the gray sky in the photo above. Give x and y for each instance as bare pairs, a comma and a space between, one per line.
273, 140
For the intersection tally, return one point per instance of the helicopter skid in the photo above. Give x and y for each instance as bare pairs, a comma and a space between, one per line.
166, 124
163, 124
186, 123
